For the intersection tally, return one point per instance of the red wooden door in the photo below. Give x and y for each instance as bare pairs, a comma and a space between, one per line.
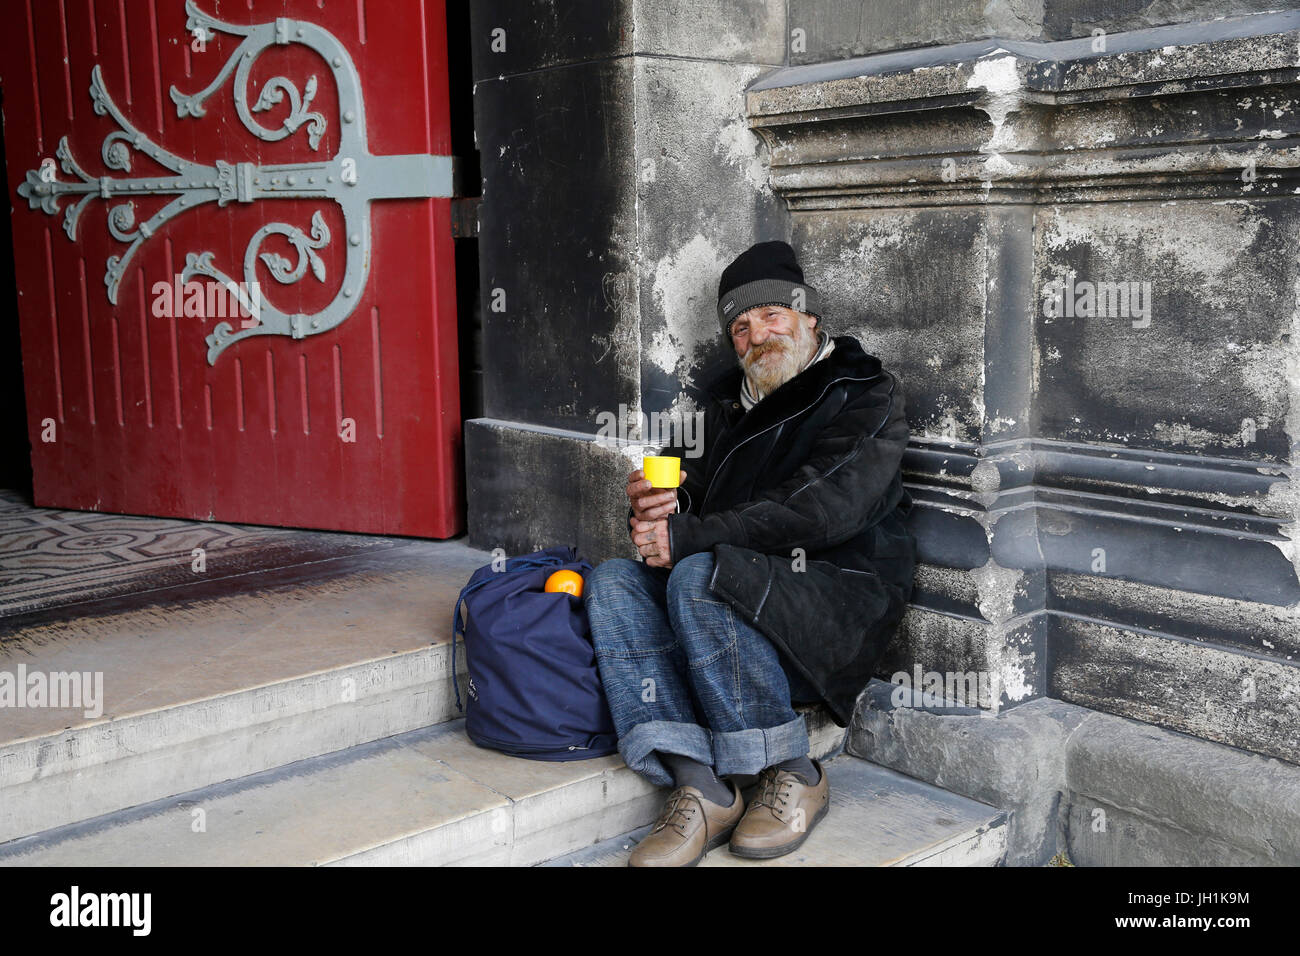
295, 152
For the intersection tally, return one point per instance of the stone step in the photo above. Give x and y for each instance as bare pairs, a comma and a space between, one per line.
878, 817
427, 797
248, 675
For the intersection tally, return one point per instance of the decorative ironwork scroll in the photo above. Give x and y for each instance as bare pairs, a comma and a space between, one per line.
353, 178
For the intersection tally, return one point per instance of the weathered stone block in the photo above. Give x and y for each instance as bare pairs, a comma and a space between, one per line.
1107, 790
546, 488
553, 322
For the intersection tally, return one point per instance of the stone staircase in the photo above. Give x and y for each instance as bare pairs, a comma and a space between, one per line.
310, 720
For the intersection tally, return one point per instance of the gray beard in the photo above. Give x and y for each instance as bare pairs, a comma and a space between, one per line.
770, 372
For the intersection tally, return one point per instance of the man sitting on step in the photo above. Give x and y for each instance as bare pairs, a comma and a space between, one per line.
781, 582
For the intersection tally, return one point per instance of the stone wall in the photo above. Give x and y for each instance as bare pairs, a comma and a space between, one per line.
619, 179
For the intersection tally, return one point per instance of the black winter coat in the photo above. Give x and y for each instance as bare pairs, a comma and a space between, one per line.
814, 466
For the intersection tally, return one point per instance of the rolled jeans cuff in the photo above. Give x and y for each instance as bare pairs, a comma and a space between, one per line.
749, 751
639, 744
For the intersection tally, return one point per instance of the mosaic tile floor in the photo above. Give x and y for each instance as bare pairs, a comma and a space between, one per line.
51, 558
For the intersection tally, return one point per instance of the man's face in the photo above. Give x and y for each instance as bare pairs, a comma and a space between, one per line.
773, 344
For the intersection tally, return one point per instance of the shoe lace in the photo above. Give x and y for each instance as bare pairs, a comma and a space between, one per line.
677, 812
774, 790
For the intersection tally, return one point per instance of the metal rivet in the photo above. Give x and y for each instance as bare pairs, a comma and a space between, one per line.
292, 180
354, 239
315, 323
312, 180
257, 181
349, 116
338, 61
347, 293
329, 179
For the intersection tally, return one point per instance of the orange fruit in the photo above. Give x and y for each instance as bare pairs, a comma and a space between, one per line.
570, 582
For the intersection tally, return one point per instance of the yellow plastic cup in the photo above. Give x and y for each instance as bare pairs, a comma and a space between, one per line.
664, 471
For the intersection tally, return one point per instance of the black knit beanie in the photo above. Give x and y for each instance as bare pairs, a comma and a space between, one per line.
764, 274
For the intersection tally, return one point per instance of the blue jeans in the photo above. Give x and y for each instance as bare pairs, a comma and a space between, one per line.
684, 674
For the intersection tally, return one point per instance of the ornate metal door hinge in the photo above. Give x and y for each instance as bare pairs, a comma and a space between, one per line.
353, 178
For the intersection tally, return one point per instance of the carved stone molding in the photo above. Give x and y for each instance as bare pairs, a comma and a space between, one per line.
998, 121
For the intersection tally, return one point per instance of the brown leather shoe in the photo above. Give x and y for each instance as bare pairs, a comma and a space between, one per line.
782, 813
689, 827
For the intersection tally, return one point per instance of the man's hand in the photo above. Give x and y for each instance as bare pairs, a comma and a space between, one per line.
651, 539
648, 524
648, 504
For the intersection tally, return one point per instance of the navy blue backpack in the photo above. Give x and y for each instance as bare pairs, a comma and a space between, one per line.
534, 690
